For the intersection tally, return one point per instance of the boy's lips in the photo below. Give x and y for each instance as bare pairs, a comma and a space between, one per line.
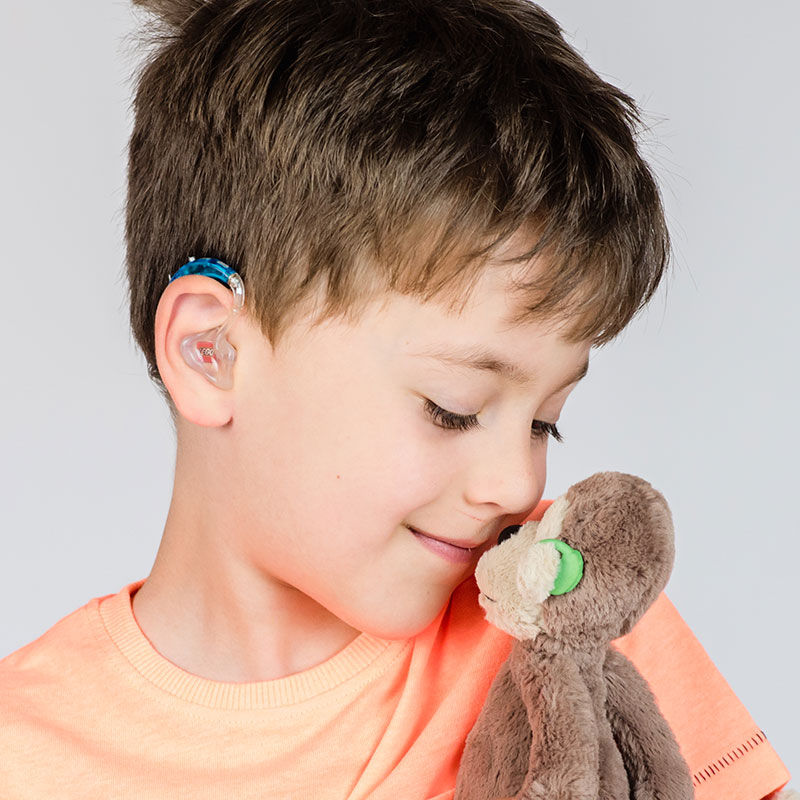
454, 553
454, 542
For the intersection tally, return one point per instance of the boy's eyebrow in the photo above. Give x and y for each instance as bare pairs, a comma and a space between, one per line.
481, 358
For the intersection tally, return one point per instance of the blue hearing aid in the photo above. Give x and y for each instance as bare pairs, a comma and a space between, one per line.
570, 567
209, 352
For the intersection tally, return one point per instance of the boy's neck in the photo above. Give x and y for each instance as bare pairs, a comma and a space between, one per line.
234, 625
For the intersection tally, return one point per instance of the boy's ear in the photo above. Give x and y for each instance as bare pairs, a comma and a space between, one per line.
191, 305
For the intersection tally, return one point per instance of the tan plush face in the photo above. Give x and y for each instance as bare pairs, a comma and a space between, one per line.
623, 529
515, 576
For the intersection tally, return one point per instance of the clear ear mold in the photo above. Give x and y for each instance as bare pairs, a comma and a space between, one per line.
209, 352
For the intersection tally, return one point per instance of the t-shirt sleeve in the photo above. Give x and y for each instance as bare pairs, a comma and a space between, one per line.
728, 755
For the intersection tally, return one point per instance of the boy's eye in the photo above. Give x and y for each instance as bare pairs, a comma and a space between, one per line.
451, 421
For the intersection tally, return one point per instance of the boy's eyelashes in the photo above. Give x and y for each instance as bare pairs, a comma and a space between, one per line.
460, 422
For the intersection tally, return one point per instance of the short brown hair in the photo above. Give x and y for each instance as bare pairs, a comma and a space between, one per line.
374, 145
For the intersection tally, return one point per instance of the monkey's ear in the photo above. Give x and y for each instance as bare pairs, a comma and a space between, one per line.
173, 12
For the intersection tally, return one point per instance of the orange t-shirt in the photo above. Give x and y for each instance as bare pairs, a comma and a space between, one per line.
91, 710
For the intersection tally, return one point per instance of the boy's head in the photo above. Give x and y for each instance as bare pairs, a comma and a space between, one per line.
388, 177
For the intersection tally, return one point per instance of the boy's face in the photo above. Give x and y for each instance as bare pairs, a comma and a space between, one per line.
330, 453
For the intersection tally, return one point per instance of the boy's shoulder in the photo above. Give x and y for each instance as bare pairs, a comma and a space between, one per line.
37, 673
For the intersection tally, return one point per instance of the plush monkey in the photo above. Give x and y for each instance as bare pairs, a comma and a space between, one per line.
568, 717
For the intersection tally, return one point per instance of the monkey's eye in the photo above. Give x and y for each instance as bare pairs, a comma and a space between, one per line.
507, 533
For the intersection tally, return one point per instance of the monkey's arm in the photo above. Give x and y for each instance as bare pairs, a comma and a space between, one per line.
651, 754
564, 757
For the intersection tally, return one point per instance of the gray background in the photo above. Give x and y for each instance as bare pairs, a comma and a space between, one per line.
698, 395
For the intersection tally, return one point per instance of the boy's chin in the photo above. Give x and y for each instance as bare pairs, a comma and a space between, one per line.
418, 617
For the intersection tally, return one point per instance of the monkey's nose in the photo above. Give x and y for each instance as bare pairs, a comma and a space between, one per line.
507, 533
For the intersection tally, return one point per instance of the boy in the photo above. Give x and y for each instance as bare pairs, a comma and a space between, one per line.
436, 209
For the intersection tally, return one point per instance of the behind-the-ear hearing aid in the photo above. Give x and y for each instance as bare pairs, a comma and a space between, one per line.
570, 567
210, 352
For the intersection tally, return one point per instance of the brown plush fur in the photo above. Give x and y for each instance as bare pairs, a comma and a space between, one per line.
568, 717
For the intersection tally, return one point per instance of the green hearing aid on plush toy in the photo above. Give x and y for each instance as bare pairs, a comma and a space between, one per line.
570, 567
